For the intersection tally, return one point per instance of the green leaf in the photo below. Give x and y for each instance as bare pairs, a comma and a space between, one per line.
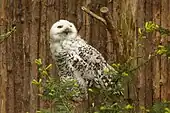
40, 95
35, 82
106, 70
102, 108
40, 80
44, 73
129, 107
76, 85
116, 65
150, 26
161, 50
48, 66
167, 110
91, 90
38, 61
125, 74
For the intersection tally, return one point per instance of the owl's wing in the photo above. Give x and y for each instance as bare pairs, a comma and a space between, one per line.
92, 62
92, 56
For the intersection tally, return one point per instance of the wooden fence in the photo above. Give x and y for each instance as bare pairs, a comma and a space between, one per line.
33, 19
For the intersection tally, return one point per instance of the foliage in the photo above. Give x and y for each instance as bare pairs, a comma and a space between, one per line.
111, 98
59, 94
126, 70
160, 107
151, 27
162, 50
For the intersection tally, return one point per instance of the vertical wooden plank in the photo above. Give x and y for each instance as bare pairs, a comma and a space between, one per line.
168, 63
63, 9
140, 82
94, 33
87, 22
121, 12
34, 34
130, 46
71, 10
156, 60
42, 28
2, 13
27, 61
79, 17
44, 38
123, 49
10, 75
56, 9
164, 60
3, 73
46, 33
53, 12
103, 37
133, 49
18, 59
39, 34
148, 68
115, 10
127, 26
9, 59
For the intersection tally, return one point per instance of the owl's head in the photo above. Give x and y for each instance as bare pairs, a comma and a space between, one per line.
62, 30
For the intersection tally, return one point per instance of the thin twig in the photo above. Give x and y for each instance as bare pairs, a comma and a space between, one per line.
6, 35
93, 15
143, 64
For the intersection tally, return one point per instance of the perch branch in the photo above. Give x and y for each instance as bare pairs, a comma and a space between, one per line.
108, 18
93, 15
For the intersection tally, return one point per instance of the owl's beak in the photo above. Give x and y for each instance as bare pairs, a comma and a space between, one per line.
66, 31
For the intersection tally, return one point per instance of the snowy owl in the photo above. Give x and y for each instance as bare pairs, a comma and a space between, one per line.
76, 59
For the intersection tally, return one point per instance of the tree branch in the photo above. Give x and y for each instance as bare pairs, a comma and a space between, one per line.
94, 15
106, 19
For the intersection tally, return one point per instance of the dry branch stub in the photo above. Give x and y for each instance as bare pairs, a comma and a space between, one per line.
109, 21
110, 27
104, 10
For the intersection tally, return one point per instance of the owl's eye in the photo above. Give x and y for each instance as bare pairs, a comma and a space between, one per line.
59, 26
70, 25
